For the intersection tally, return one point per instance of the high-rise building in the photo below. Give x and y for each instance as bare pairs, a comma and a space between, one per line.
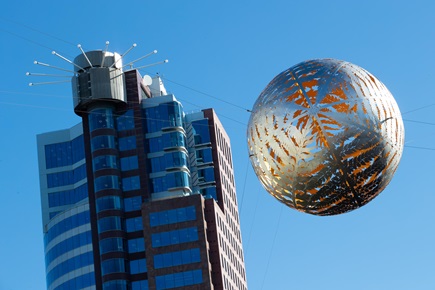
139, 195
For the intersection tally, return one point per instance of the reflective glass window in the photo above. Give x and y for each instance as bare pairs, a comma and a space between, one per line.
130, 183
201, 131
129, 163
173, 216
111, 245
132, 203
139, 285
125, 121
104, 162
127, 143
177, 258
133, 224
174, 237
163, 116
64, 153
179, 279
112, 266
103, 142
206, 175
209, 192
66, 225
67, 197
108, 203
101, 118
106, 182
115, 285
110, 223
176, 179
66, 177
138, 266
136, 245
204, 155
80, 282
67, 245
69, 265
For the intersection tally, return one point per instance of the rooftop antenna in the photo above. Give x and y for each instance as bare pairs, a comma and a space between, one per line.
153, 64
104, 53
67, 60
124, 54
87, 59
47, 83
136, 60
51, 66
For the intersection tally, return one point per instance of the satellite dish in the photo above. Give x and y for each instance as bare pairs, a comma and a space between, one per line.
147, 80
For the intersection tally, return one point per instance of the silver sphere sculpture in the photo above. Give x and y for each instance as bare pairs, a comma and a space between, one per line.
325, 137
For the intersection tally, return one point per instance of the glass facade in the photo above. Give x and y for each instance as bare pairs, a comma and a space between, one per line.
160, 148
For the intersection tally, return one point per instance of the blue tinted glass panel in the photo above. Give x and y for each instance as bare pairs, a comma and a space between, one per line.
58, 155
133, 224
104, 162
111, 245
209, 192
110, 223
70, 265
66, 177
206, 175
80, 282
101, 119
126, 121
127, 143
78, 149
103, 142
130, 183
138, 266
108, 203
106, 182
165, 115
173, 216
139, 285
201, 131
68, 196
66, 225
115, 285
112, 266
180, 279
174, 237
67, 245
177, 258
136, 245
132, 203
129, 163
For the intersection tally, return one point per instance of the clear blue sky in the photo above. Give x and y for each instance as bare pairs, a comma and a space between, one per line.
231, 50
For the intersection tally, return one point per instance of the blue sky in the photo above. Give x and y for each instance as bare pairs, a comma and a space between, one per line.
221, 55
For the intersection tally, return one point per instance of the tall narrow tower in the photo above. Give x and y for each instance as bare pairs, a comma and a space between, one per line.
161, 194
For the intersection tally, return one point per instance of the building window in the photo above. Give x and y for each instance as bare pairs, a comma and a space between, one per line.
106, 182
179, 279
101, 119
126, 121
177, 258
139, 285
112, 266
163, 116
64, 153
171, 180
108, 203
103, 142
138, 266
111, 223
66, 177
111, 245
201, 131
133, 224
132, 203
173, 216
68, 196
115, 285
127, 143
174, 237
129, 163
136, 245
130, 183
104, 162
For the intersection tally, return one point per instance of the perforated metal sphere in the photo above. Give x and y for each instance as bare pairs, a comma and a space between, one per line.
325, 137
